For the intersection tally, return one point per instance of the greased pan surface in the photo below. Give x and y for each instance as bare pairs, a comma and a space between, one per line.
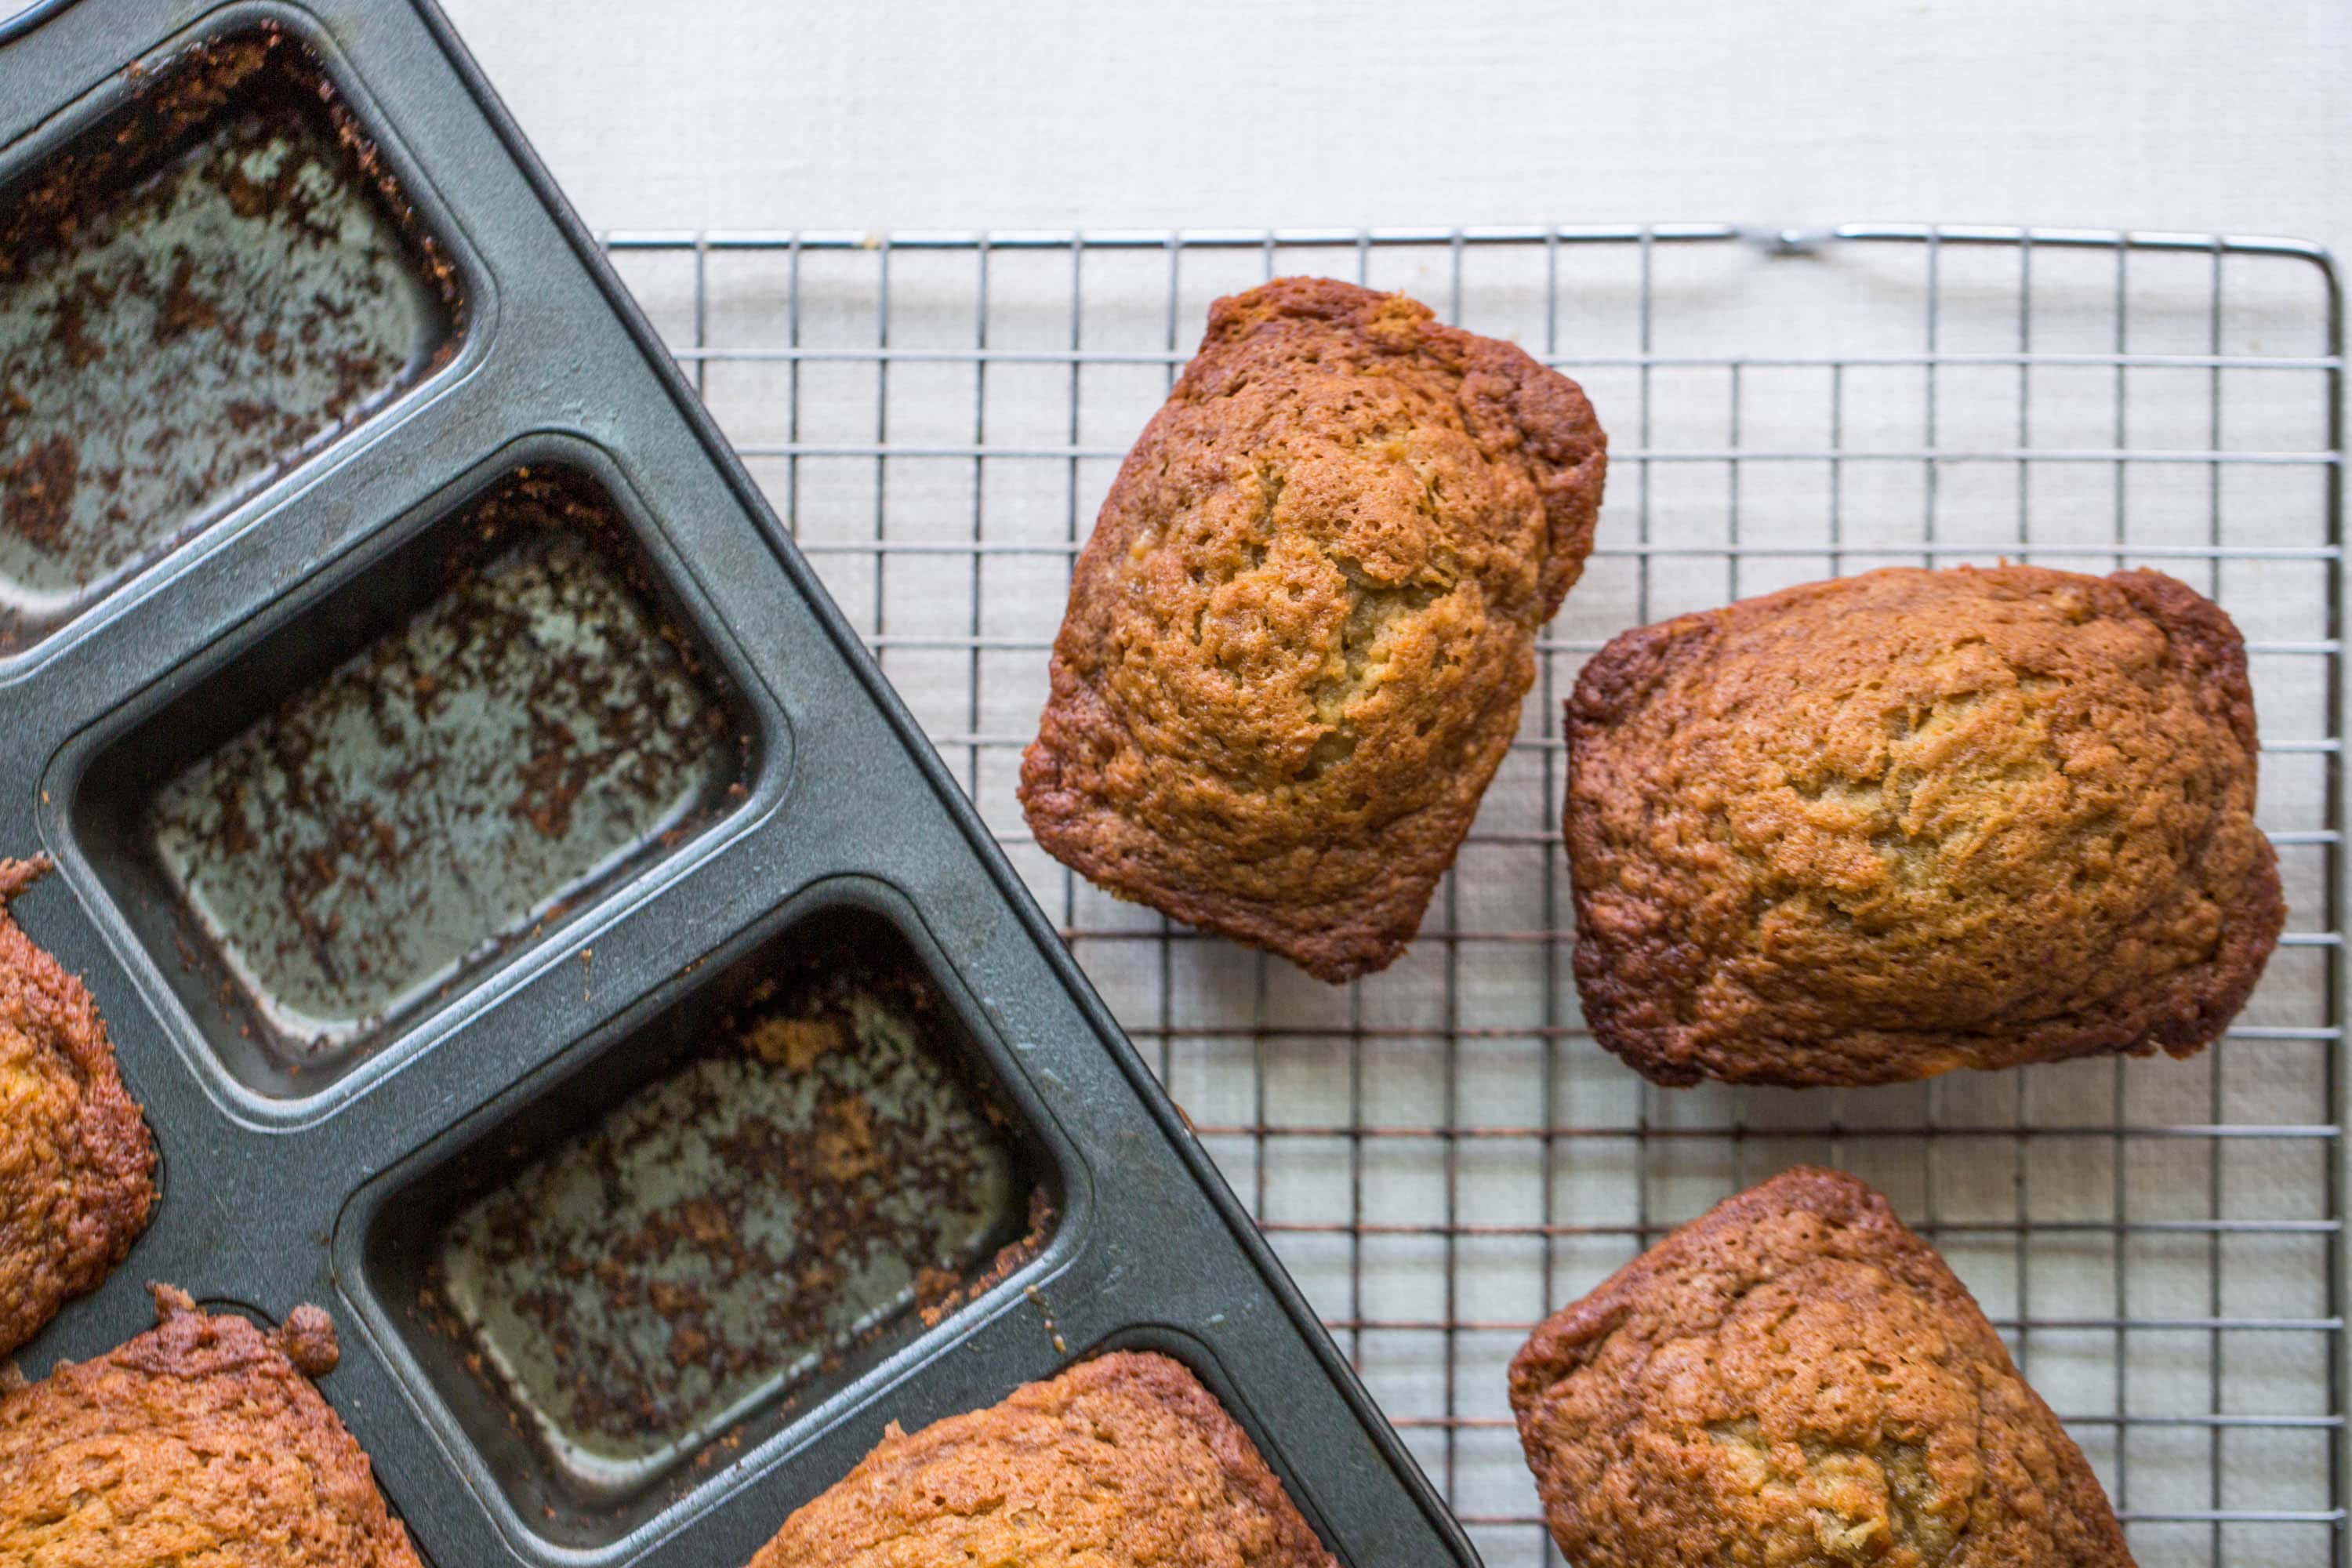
251, 726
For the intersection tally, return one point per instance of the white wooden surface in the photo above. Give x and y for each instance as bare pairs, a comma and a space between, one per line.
2204, 114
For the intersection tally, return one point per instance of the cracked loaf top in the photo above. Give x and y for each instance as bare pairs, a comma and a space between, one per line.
1124, 1460
76, 1166
1795, 1379
199, 1442
1875, 828
1297, 640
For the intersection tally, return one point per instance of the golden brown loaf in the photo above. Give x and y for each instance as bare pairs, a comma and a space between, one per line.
1875, 828
199, 1442
1121, 1461
1297, 640
76, 1164
1794, 1379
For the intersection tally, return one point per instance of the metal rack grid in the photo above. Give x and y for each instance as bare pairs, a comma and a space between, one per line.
1440, 1153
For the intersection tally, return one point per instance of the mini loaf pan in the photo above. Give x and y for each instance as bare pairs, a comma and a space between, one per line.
533, 927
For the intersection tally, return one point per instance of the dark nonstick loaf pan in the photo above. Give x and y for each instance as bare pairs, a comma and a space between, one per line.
477, 827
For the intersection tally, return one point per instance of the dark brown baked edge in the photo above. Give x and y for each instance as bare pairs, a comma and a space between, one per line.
1569, 451
188, 1342
2215, 650
1622, 675
1564, 1342
1614, 682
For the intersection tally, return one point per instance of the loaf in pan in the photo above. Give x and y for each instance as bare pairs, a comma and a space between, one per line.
201, 1441
1124, 1459
76, 1166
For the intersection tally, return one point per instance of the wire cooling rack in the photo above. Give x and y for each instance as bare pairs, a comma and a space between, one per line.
1440, 1153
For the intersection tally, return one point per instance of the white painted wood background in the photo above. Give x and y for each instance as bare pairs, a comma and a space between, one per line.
2206, 114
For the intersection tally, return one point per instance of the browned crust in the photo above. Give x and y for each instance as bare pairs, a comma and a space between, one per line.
76, 1161
1795, 1378
198, 1441
1124, 1459
1879, 827
1298, 636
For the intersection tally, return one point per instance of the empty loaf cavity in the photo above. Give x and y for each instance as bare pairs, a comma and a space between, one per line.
1298, 638
77, 1165
1876, 828
207, 286
1121, 1461
534, 724
1794, 1378
813, 1169
200, 1441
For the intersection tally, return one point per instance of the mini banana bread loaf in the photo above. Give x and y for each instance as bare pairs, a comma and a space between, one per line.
201, 1441
1124, 1460
1297, 640
1875, 828
76, 1164
1795, 1379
